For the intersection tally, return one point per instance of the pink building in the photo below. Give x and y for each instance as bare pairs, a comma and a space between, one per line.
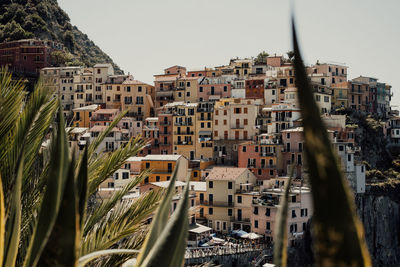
209, 90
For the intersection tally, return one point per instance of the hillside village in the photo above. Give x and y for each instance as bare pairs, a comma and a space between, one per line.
236, 131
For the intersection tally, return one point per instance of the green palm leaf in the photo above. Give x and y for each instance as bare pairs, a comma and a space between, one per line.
338, 233
53, 195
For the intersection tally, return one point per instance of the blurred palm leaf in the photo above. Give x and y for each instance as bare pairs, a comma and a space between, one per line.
12, 233
2, 222
53, 195
280, 244
339, 239
160, 219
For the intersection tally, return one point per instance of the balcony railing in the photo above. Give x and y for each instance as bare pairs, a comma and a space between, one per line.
236, 219
201, 118
165, 133
268, 166
183, 143
184, 123
165, 123
184, 133
237, 126
267, 154
219, 203
165, 144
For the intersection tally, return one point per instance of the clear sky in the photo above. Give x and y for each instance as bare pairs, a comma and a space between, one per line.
146, 36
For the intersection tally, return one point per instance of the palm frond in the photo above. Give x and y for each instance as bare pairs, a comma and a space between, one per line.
106, 164
124, 220
107, 205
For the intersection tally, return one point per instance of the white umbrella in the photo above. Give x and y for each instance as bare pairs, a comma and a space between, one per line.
251, 236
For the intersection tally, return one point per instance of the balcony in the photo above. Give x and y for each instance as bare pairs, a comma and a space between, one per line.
266, 154
201, 118
184, 143
165, 144
117, 100
237, 126
263, 166
164, 133
215, 93
184, 133
239, 220
183, 123
219, 203
79, 91
165, 123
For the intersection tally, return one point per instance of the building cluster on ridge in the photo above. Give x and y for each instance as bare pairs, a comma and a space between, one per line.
235, 129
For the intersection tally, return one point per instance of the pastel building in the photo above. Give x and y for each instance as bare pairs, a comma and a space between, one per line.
222, 185
265, 210
162, 167
234, 121
82, 116
213, 88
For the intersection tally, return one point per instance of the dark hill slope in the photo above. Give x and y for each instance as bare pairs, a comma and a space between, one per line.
44, 19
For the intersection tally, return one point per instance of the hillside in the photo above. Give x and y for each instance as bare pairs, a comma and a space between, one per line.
44, 19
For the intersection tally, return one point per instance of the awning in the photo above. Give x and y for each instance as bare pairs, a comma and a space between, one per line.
198, 229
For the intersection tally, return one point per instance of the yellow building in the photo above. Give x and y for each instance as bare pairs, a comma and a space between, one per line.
82, 115
162, 167
131, 95
339, 97
186, 89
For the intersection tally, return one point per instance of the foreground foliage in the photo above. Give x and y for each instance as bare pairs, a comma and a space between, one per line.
338, 233
37, 183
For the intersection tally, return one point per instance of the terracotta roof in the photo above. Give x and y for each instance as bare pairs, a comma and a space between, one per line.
225, 173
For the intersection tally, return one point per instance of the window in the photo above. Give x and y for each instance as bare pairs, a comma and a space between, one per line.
288, 135
255, 211
216, 122
237, 111
349, 157
116, 176
245, 110
139, 89
210, 211
239, 199
341, 148
244, 149
267, 212
326, 99
293, 214
229, 185
125, 175
294, 199
245, 122
268, 226
225, 122
255, 223
229, 212
147, 165
215, 133
225, 88
210, 184
225, 112
146, 181
157, 178
187, 94
201, 89
216, 112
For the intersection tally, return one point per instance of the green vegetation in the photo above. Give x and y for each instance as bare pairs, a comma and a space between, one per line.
338, 233
44, 216
261, 58
44, 19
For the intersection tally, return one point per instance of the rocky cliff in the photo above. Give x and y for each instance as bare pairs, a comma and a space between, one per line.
379, 210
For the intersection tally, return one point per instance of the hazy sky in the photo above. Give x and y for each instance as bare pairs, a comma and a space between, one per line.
145, 36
